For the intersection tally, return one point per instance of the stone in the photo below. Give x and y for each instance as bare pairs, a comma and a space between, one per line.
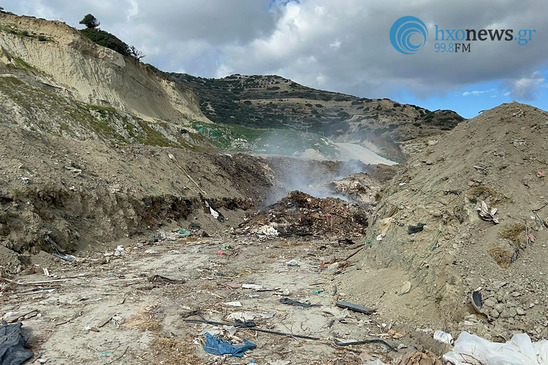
499, 307
508, 313
494, 313
520, 311
489, 303
406, 288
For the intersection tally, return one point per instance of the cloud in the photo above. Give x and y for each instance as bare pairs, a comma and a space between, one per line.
525, 88
477, 92
336, 45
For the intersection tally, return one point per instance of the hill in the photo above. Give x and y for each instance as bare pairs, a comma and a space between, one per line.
500, 158
279, 103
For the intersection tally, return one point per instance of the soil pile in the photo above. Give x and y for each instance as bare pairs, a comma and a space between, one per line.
61, 195
489, 169
360, 187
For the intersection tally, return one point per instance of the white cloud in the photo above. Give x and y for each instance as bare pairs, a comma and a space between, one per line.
133, 11
477, 92
337, 45
525, 88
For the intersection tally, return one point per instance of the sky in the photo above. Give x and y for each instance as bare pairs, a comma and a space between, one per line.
341, 45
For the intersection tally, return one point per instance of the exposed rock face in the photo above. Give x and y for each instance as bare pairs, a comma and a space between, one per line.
64, 62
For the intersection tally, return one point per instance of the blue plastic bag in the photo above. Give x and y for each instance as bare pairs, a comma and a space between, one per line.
218, 346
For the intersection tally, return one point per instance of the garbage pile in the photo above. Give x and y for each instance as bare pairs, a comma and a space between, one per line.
300, 214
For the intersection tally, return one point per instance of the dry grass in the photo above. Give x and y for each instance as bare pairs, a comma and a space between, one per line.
502, 256
485, 192
175, 351
514, 233
145, 320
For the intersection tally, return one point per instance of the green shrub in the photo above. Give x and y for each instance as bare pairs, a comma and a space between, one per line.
106, 39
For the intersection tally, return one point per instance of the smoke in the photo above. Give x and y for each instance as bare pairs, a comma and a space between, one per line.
313, 177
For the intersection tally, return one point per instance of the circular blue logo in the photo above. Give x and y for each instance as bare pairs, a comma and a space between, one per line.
408, 34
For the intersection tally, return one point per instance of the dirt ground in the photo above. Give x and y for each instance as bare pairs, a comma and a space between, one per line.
132, 307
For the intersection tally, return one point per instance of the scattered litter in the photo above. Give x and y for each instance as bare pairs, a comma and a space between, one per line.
68, 258
268, 231
415, 229
219, 346
297, 303
74, 170
541, 174
531, 238
477, 300
12, 345
364, 342
443, 337
293, 263
221, 253
318, 291
242, 316
355, 307
487, 214
184, 232
120, 251
212, 210
518, 351
233, 304
517, 114
239, 324
159, 279
254, 287
452, 192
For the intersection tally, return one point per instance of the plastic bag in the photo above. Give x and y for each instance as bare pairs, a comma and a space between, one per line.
471, 349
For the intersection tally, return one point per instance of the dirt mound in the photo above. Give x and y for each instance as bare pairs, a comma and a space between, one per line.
489, 169
300, 214
361, 188
61, 195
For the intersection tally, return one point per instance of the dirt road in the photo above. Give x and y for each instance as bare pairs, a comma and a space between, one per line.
131, 308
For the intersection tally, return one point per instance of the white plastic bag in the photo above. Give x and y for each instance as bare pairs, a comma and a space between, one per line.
473, 350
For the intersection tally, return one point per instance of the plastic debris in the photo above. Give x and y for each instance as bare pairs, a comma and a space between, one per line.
487, 214
12, 345
415, 229
297, 303
66, 258
233, 304
219, 346
443, 337
477, 300
541, 174
355, 307
221, 253
518, 351
531, 238
184, 232
120, 251
254, 287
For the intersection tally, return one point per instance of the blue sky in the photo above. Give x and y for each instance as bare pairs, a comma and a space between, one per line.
470, 100
341, 46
